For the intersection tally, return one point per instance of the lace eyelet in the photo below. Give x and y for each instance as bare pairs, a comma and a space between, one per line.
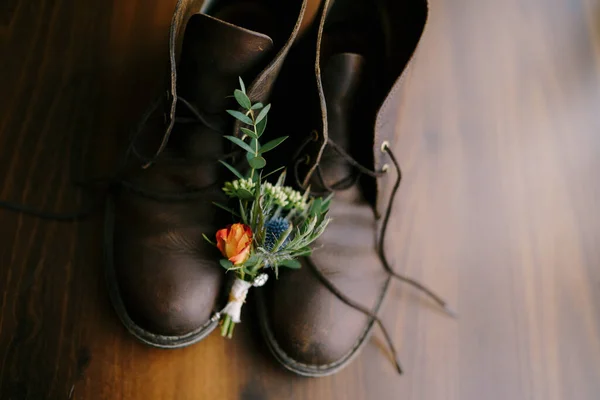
385, 168
385, 145
315, 135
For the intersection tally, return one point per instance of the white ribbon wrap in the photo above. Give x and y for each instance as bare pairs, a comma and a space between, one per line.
237, 296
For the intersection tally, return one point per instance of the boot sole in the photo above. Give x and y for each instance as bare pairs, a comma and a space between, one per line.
149, 338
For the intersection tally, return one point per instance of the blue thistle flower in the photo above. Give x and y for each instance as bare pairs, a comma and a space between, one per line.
275, 227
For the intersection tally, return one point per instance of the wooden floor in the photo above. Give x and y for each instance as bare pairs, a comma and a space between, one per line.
499, 136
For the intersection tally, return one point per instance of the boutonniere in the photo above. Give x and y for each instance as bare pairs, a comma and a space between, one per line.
274, 224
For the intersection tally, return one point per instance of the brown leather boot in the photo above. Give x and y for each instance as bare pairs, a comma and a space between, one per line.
316, 319
163, 278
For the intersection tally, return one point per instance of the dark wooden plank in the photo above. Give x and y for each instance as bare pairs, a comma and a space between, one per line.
499, 137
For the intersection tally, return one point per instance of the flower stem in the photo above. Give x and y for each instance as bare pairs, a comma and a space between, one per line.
231, 326
256, 141
255, 269
225, 325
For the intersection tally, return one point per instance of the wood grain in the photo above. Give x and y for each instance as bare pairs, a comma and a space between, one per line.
499, 137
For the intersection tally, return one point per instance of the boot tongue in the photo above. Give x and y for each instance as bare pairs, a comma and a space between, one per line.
341, 78
214, 54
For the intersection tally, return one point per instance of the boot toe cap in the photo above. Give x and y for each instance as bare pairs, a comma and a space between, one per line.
178, 300
313, 334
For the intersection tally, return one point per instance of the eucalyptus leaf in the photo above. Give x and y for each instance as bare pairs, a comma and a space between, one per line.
232, 169
253, 260
249, 132
272, 144
244, 194
292, 264
257, 162
240, 143
242, 99
242, 86
240, 116
257, 106
255, 145
263, 113
225, 263
261, 126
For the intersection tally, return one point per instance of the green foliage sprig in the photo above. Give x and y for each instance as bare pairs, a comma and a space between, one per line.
284, 222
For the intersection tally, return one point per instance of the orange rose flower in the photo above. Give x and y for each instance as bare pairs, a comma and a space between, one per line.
234, 242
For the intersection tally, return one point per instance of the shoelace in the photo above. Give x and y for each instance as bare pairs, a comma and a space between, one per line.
116, 180
346, 183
